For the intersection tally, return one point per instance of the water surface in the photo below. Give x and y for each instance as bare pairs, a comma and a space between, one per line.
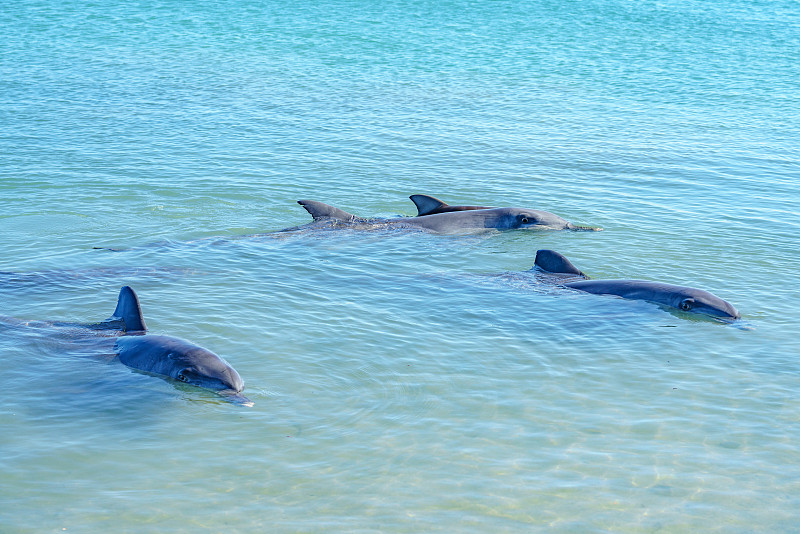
403, 381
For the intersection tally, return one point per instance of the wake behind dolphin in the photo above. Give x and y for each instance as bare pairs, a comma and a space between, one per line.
165, 356
682, 298
465, 220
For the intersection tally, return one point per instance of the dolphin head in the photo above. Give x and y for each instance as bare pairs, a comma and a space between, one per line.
704, 303
183, 361
527, 219
202, 368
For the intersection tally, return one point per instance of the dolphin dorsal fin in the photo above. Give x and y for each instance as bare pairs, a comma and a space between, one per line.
319, 210
426, 204
553, 262
129, 311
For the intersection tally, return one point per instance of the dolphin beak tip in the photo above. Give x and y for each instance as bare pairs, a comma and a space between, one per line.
238, 399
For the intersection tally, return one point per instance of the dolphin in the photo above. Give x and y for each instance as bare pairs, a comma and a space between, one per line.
165, 356
452, 221
683, 298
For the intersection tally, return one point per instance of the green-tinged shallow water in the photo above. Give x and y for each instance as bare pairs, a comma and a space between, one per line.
402, 381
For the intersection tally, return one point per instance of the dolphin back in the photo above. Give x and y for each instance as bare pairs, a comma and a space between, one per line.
129, 311
427, 204
320, 210
553, 262
683, 298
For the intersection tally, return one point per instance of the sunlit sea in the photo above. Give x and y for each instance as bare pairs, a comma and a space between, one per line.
402, 381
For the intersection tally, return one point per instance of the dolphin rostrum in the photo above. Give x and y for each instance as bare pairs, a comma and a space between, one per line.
452, 221
683, 298
165, 356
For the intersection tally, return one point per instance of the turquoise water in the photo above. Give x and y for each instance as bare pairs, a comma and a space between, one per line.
402, 381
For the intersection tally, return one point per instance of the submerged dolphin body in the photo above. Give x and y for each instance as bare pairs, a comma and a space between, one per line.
165, 356
452, 221
683, 298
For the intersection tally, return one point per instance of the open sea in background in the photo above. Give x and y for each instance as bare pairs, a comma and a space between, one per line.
403, 381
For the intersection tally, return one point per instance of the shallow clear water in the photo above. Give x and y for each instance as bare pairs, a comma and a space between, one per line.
403, 381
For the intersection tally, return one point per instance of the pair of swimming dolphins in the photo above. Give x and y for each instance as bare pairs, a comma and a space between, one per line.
436, 215
180, 360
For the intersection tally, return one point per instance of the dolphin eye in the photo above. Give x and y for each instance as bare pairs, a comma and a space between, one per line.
524, 220
182, 377
687, 304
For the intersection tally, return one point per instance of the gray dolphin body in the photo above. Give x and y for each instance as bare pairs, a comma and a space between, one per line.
453, 221
683, 298
165, 356
169, 356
